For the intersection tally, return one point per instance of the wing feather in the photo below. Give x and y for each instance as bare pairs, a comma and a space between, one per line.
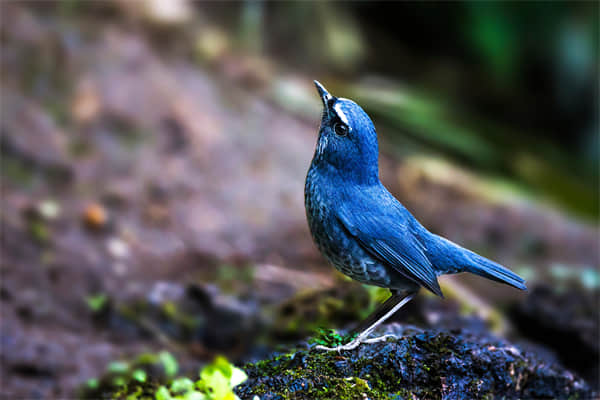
392, 243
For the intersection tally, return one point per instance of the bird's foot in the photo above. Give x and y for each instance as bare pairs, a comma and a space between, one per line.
348, 346
354, 343
378, 339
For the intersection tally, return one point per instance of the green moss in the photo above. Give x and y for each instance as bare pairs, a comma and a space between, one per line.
318, 374
267, 367
344, 389
324, 386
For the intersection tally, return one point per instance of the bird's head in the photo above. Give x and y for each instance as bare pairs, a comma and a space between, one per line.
347, 140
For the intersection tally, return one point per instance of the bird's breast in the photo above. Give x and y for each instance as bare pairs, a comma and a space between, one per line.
319, 198
332, 240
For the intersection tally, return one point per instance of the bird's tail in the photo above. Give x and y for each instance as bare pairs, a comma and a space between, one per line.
489, 269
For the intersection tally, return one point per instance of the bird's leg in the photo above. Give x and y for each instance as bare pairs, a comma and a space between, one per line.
379, 312
382, 313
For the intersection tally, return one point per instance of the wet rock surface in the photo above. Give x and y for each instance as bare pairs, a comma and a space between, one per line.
567, 322
416, 364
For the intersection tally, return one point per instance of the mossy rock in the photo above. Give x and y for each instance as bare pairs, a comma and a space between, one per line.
416, 364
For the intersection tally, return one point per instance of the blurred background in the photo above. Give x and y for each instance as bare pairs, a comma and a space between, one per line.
153, 156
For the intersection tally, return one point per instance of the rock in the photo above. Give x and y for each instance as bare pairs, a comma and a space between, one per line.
117, 248
48, 209
566, 321
200, 316
228, 323
416, 364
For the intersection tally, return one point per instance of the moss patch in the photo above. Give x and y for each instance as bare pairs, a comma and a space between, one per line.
430, 365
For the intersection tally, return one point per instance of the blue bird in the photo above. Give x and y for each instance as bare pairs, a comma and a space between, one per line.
366, 233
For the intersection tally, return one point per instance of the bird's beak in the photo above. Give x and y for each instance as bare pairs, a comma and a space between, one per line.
325, 96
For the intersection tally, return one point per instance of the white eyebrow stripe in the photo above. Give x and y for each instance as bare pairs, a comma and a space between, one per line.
338, 110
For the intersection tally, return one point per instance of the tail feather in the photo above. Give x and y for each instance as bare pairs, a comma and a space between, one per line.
489, 269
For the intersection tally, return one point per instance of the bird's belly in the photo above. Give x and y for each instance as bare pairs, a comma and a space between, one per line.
347, 256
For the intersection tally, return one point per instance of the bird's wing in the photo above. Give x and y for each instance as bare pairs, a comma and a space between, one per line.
392, 243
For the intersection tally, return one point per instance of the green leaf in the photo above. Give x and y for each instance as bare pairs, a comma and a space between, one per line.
330, 338
118, 381
163, 394
139, 375
135, 395
218, 378
147, 358
237, 376
182, 385
194, 395
93, 383
169, 363
96, 302
118, 367
214, 384
224, 366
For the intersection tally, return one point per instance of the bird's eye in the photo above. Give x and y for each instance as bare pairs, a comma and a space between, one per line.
340, 129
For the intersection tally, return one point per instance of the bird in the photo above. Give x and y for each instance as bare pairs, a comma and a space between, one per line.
364, 231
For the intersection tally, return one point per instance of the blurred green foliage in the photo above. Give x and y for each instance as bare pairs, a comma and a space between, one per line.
96, 302
216, 383
536, 164
494, 37
152, 376
506, 88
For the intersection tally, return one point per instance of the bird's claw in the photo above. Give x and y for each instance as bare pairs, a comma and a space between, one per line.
379, 339
354, 344
339, 349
